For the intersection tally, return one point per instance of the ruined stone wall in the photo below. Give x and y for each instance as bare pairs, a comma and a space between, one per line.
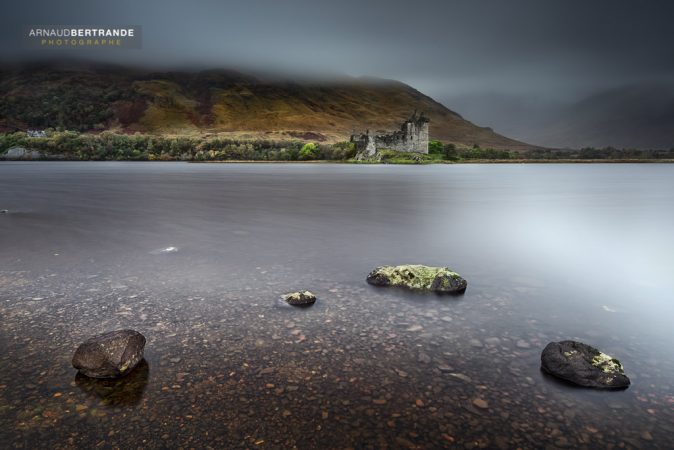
412, 137
365, 144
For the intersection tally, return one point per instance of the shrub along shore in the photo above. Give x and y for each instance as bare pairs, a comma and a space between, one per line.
110, 146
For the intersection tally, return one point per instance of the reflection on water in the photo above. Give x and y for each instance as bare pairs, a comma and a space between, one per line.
126, 391
550, 252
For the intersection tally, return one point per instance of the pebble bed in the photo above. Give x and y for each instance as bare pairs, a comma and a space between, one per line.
364, 367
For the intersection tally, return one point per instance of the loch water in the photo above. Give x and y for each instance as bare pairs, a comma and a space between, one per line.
196, 257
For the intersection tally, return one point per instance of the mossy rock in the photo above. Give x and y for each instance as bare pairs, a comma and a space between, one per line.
419, 278
300, 298
583, 365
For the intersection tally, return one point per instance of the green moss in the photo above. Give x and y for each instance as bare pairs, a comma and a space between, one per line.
300, 298
416, 276
607, 363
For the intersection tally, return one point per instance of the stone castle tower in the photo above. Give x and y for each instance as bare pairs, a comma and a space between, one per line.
411, 137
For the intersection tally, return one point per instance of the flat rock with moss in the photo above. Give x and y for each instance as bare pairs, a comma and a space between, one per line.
441, 280
583, 365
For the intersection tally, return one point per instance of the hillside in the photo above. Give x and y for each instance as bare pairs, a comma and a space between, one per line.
228, 103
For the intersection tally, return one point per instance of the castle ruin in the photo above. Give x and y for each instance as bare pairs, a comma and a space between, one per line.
411, 137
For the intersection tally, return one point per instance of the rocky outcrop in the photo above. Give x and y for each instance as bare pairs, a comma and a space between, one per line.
300, 298
583, 365
417, 277
110, 355
21, 153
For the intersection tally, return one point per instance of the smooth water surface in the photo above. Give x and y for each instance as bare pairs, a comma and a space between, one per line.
196, 256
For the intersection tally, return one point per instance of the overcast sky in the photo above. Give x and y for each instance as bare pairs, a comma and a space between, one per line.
464, 53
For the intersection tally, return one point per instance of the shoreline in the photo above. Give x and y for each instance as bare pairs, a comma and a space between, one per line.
327, 161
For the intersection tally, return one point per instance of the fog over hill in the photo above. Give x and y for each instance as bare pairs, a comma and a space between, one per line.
632, 116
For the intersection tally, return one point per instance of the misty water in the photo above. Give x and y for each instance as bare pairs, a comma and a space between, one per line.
196, 257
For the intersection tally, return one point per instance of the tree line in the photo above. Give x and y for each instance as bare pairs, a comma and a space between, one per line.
109, 145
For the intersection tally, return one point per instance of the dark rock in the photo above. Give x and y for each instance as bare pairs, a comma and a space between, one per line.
300, 298
417, 277
583, 365
110, 355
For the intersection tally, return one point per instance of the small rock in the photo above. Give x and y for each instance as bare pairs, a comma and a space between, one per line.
562, 442
448, 438
462, 377
647, 436
110, 355
475, 343
81, 408
480, 403
424, 358
4, 211
300, 298
522, 344
616, 405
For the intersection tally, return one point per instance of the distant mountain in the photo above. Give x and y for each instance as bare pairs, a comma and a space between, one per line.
636, 116
640, 116
88, 97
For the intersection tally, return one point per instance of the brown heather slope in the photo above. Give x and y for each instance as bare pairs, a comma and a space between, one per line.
228, 103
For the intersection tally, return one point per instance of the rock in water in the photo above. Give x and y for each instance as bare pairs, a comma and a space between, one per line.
413, 276
110, 355
300, 298
583, 365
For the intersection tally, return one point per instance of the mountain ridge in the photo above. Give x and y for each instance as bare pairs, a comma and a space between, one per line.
224, 102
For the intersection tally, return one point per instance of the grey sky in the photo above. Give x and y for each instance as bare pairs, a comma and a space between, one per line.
528, 51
